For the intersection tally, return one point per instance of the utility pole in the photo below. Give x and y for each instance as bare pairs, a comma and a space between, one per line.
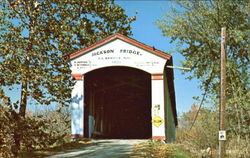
222, 131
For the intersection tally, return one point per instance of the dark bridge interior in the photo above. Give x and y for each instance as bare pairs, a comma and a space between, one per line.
119, 99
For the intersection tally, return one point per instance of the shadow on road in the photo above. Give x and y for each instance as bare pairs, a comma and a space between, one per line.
114, 148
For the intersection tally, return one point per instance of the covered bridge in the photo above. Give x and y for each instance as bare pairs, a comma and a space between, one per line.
123, 90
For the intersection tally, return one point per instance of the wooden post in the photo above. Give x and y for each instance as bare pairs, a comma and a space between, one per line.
222, 149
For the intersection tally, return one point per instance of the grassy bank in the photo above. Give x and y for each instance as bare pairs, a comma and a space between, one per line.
54, 150
158, 149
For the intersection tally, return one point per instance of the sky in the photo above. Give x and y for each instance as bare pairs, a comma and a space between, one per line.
145, 31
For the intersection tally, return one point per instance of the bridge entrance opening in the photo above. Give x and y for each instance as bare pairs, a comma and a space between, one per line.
117, 103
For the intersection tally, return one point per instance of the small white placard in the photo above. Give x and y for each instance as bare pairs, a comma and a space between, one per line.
222, 135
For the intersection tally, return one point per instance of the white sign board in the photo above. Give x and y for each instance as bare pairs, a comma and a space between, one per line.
222, 135
118, 53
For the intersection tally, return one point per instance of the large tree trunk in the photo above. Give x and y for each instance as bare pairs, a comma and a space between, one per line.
18, 117
24, 95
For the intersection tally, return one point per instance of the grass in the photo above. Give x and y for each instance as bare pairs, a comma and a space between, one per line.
158, 149
54, 150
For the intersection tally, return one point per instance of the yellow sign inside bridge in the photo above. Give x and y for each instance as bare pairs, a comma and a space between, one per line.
157, 121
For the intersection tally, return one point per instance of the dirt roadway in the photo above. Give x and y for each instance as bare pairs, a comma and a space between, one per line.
109, 148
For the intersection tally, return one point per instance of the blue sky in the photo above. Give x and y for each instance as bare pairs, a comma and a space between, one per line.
145, 31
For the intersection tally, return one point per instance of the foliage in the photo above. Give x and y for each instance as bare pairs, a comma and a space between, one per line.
203, 134
35, 37
6, 131
43, 131
156, 149
196, 27
202, 137
238, 148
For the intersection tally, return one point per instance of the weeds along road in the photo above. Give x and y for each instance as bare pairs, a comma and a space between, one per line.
105, 148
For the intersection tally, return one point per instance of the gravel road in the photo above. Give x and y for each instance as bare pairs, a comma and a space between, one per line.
109, 148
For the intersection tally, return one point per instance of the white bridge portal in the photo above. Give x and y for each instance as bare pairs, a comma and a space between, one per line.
123, 90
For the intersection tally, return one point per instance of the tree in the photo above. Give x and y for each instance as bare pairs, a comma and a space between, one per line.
196, 26
36, 35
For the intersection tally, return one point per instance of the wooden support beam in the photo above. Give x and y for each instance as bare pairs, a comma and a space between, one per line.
121, 83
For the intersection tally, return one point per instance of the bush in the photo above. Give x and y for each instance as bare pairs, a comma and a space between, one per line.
238, 147
7, 125
36, 131
45, 130
202, 138
203, 133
